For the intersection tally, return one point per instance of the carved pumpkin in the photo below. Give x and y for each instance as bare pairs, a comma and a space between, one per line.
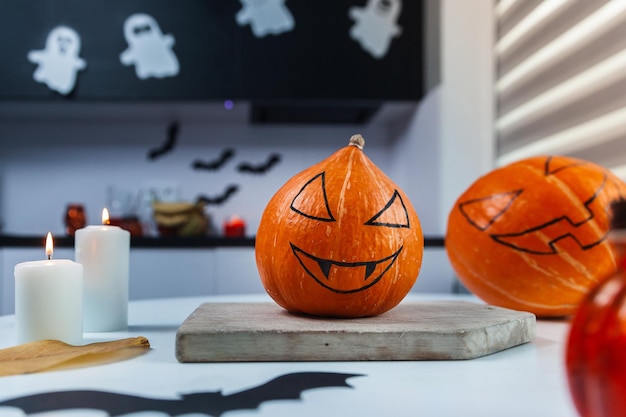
339, 239
594, 360
532, 235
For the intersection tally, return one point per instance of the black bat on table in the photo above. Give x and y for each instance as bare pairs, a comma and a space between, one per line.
261, 168
216, 164
168, 145
284, 387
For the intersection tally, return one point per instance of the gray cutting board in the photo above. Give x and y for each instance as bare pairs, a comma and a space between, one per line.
445, 330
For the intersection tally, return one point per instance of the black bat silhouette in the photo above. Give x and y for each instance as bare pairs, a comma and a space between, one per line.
284, 387
214, 165
261, 168
220, 199
168, 145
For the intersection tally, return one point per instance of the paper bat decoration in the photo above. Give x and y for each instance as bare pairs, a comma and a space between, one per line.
220, 199
216, 164
214, 403
261, 168
168, 145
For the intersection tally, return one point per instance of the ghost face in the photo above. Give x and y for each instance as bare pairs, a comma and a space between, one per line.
254, 3
63, 41
140, 26
387, 8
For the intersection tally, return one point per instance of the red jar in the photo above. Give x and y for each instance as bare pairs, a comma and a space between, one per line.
75, 218
234, 227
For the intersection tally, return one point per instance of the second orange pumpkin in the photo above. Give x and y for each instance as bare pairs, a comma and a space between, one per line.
532, 235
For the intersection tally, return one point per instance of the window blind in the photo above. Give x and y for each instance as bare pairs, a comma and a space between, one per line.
560, 83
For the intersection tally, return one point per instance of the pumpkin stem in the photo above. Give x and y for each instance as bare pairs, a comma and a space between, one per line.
358, 141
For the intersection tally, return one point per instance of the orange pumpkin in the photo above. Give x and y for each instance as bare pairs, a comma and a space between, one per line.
339, 239
532, 235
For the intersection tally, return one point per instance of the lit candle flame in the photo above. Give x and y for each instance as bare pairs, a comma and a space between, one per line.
105, 216
49, 245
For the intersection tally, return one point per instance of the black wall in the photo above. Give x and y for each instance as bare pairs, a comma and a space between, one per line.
218, 59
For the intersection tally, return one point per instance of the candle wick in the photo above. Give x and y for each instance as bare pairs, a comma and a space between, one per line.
49, 256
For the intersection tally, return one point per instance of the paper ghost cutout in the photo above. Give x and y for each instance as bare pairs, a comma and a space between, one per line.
375, 25
265, 17
59, 62
148, 49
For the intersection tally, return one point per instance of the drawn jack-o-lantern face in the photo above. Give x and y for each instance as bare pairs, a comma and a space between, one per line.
532, 235
340, 275
339, 239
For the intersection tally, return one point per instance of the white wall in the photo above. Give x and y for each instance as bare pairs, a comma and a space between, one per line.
47, 165
449, 141
415, 156
433, 154
415, 159
467, 104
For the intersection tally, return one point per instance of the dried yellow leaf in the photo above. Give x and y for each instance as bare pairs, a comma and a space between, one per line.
48, 355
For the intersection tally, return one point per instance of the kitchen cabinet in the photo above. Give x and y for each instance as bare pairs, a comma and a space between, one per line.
236, 272
336, 61
171, 273
157, 273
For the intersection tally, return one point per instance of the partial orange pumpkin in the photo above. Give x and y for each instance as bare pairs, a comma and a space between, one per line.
532, 235
339, 239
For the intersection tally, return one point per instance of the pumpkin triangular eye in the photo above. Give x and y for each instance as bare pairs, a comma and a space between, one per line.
554, 165
394, 214
483, 212
311, 200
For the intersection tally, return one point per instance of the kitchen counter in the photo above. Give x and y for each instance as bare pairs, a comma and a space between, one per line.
164, 242
527, 380
135, 241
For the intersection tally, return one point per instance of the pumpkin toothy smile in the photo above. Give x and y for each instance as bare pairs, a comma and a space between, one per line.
339, 276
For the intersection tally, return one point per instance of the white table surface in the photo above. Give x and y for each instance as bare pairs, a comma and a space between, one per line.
527, 380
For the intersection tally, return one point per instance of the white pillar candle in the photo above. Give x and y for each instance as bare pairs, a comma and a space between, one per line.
49, 299
104, 253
